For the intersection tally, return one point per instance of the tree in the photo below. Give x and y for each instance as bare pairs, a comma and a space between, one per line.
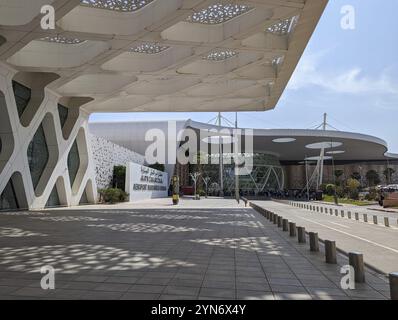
119, 177
388, 172
372, 178
353, 186
338, 173
206, 180
330, 189
356, 176
157, 166
195, 177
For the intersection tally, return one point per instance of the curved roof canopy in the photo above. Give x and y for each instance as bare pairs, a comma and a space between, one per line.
286, 144
162, 55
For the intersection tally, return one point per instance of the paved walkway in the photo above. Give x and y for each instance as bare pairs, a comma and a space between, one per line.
378, 243
164, 253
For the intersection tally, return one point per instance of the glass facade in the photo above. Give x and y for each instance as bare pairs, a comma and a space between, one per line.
63, 114
267, 174
53, 199
22, 96
38, 155
8, 198
73, 162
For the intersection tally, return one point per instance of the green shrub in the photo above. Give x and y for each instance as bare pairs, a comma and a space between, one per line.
329, 189
119, 177
372, 195
353, 188
202, 193
113, 195
340, 191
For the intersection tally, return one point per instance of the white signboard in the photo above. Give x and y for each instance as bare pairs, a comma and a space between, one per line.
145, 183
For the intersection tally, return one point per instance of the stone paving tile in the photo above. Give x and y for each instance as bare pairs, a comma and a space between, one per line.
176, 297
240, 256
254, 295
221, 293
67, 294
180, 290
31, 292
129, 280
118, 287
292, 296
253, 286
219, 284
140, 296
90, 278
154, 281
146, 288
8, 289
102, 295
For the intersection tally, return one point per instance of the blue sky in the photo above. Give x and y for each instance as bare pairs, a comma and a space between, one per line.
350, 74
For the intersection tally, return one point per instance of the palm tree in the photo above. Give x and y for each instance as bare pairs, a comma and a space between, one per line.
373, 178
388, 172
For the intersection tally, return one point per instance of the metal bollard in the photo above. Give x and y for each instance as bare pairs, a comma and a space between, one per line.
375, 220
280, 222
336, 212
314, 242
285, 225
317, 209
321, 209
349, 214
386, 222
301, 234
356, 261
326, 210
365, 217
275, 219
393, 277
330, 252
342, 213
292, 229
271, 216
356, 216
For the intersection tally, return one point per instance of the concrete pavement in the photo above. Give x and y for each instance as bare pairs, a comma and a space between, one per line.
165, 253
379, 244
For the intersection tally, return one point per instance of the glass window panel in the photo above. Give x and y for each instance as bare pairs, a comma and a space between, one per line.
37, 155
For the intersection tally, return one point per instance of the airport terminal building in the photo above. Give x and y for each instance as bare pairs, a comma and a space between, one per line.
282, 159
146, 56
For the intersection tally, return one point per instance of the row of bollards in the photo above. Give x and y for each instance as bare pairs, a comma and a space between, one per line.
356, 260
342, 213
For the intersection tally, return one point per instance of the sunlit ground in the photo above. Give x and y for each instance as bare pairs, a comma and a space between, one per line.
163, 253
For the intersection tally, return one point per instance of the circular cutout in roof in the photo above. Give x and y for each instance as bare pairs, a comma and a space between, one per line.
284, 140
336, 152
316, 158
324, 145
218, 140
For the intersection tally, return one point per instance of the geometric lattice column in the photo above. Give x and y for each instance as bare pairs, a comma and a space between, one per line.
45, 156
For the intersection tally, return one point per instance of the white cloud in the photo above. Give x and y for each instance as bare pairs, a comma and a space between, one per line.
309, 73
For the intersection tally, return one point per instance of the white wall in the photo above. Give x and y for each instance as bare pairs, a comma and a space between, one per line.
106, 156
